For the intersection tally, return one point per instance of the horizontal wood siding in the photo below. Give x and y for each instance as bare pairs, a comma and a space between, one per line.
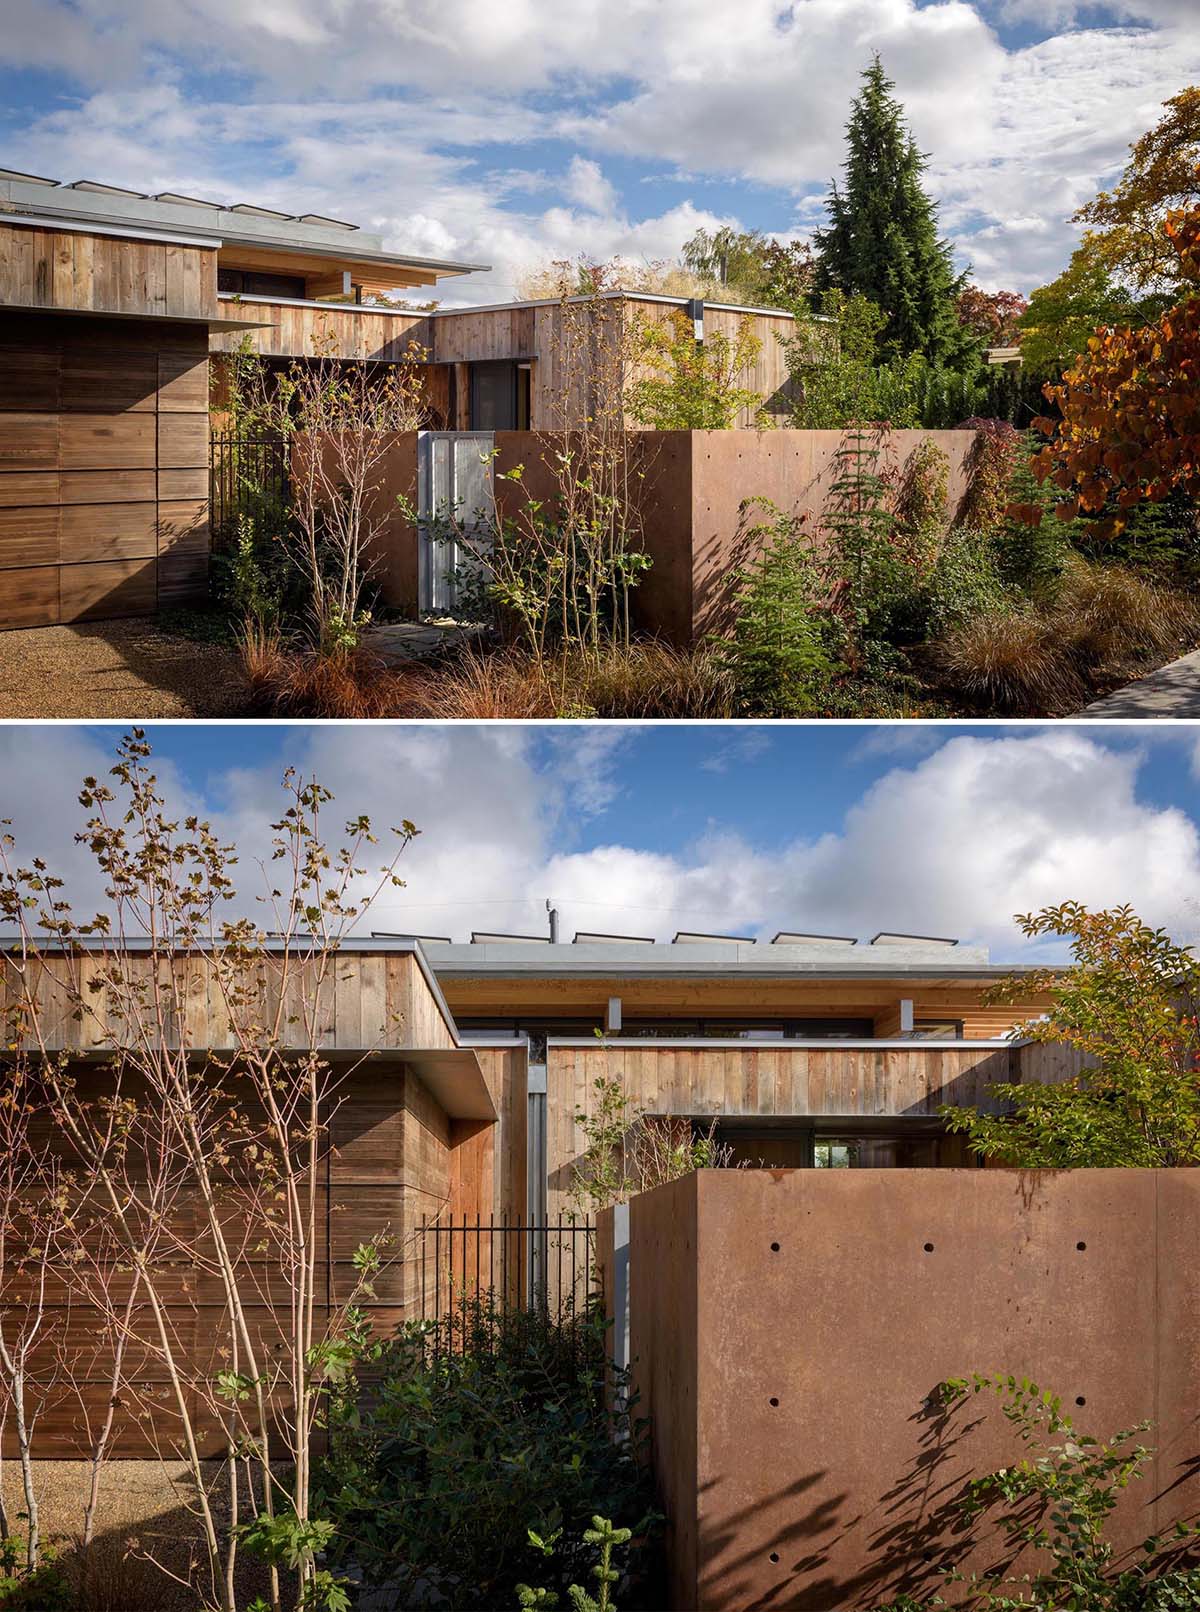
386, 1166
834, 1081
103, 467
70, 271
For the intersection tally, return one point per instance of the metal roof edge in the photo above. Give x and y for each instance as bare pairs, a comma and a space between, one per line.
801, 1043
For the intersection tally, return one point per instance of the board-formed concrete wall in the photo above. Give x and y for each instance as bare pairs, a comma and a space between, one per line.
787, 1329
692, 523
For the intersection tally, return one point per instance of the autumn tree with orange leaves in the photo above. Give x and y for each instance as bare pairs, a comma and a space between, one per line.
1130, 405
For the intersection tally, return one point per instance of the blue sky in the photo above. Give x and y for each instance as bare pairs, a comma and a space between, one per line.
518, 133
644, 829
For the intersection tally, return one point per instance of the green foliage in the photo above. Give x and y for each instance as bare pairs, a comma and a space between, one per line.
472, 1432
1055, 1505
1128, 1006
921, 496
44, 1588
628, 1150
778, 653
851, 379
1032, 555
1062, 316
745, 266
964, 581
604, 1539
692, 385
860, 528
883, 241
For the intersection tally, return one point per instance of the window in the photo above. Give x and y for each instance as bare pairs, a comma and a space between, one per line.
833, 1156
250, 283
832, 1029
494, 396
937, 1030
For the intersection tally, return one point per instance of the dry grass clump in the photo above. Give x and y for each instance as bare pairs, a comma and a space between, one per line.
348, 687
107, 1576
1109, 613
645, 679
1013, 661
479, 686
650, 678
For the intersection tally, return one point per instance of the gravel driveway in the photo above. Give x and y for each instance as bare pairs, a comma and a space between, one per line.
130, 670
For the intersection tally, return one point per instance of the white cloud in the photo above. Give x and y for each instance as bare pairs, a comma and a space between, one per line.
421, 119
587, 187
953, 843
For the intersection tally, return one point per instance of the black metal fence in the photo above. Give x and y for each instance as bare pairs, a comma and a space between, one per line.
503, 1264
247, 475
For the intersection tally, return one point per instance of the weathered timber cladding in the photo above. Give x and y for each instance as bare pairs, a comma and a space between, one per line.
277, 330
388, 1163
835, 1081
366, 1001
70, 270
103, 466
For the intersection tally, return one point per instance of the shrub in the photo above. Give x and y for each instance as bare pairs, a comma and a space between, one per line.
994, 457
1055, 1504
478, 1430
921, 496
690, 385
777, 655
963, 582
1011, 659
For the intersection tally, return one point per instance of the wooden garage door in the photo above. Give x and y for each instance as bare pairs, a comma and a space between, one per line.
103, 467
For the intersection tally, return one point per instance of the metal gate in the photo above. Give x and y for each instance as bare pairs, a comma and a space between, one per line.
454, 512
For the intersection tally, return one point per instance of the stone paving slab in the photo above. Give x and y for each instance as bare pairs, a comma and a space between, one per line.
1172, 692
400, 641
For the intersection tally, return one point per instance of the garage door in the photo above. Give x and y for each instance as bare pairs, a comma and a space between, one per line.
103, 467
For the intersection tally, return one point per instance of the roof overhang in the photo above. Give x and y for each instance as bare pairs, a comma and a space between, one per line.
454, 1079
136, 318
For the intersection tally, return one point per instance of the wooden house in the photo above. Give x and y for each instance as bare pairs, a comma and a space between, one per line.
467, 1068
112, 305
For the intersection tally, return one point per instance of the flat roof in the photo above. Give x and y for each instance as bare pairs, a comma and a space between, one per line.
628, 296
199, 220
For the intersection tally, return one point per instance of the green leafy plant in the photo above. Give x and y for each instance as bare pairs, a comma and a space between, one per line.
627, 1150
1128, 1007
690, 385
1056, 1503
604, 1538
778, 653
468, 1433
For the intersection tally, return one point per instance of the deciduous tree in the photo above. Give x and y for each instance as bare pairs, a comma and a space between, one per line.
1126, 237
1128, 1007
1130, 427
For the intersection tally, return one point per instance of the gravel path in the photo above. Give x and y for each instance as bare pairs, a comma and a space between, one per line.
131, 670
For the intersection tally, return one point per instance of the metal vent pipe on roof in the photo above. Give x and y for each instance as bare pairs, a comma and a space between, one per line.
552, 910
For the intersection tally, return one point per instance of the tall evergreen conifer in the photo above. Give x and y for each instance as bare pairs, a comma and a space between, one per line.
883, 241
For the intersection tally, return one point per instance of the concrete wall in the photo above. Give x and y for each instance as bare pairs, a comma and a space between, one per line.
692, 524
795, 470
787, 1328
